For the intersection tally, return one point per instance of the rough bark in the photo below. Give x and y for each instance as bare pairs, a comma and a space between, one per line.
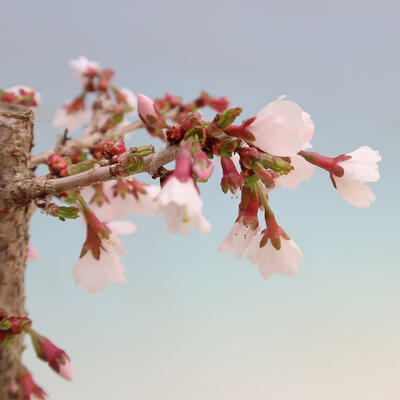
23, 190
16, 134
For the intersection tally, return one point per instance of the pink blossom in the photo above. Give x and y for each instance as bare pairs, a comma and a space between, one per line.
302, 172
95, 274
270, 260
32, 253
182, 207
238, 239
202, 167
28, 96
84, 70
282, 128
71, 117
115, 207
231, 179
179, 198
361, 168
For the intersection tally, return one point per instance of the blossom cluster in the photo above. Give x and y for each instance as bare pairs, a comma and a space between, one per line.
257, 155
268, 151
22, 95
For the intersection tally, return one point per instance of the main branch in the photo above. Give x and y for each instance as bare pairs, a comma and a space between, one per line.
24, 190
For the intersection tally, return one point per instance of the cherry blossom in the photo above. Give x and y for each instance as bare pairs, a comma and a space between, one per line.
302, 172
23, 95
95, 274
360, 168
84, 69
245, 226
72, 115
179, 198
270, 260
238, 239
282, 128
181, 205
112, 205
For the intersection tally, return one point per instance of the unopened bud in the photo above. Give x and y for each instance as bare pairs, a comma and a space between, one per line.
57, 163
227, 118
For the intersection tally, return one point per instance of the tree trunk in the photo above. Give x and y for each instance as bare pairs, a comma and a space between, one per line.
16, 135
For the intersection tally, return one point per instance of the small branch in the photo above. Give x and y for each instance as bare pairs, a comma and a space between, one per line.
84, 143
27, 189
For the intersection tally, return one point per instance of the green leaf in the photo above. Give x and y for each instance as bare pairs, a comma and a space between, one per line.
118, 118
227, 118
81, 167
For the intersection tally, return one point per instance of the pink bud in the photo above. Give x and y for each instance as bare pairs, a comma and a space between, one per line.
248, 207
57, 163
54, 356
149, 113
183, 164
202, 166
231, 180
29, 388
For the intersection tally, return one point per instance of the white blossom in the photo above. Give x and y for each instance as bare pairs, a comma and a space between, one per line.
182, 207
271, 261
72, 120
238, 239
94, 274
361, 168
120, 207
282, 128
83, 69
302, 172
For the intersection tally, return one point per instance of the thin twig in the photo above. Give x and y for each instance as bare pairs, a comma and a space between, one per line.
84, 143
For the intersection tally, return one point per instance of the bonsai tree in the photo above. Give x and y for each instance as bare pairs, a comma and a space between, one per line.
94, 179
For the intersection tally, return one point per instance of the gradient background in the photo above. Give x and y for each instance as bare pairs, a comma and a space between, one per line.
192, 323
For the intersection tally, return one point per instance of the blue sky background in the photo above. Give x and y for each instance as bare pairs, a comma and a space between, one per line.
192, 323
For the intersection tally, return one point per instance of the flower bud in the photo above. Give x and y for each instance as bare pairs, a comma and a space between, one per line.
55, 357
174, 134
231, 179
149, 112
202, 167
29, 389
191, 120
183, 164
248, 207
248, 156
227, 118
241, 131
57, 163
